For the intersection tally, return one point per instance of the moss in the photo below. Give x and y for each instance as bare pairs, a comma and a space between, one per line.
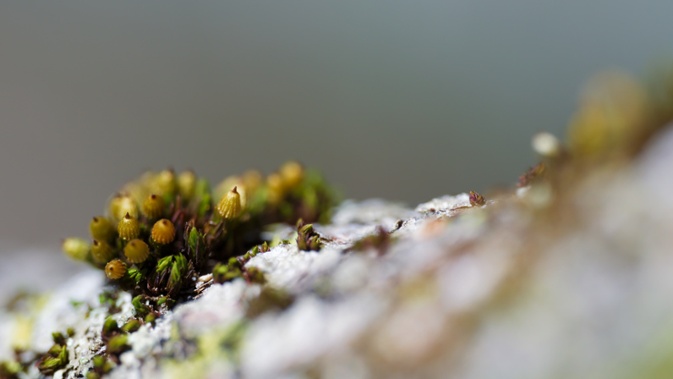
55, 359
10, 370
198, 237
307, 238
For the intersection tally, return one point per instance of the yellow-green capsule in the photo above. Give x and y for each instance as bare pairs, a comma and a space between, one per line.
164, 183
101, 229
292, 173
227, 184
275, 188
122, 204
153, 207
163, 232
230, 205
76, 248
136, 251
115, 269
128, 228
252, 180
186, 184
101, 251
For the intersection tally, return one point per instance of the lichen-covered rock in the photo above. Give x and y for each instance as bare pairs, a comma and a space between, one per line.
569, 276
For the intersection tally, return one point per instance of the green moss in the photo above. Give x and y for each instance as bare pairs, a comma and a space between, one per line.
118, 344
205, 239
55, 359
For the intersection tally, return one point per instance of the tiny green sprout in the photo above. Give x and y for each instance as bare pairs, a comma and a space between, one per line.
264, 248
178, 272
163, 264
101, 229
150, 318
98, 361
54, 360
136, 275
128, 227
139, 306
101, 365
76, 248
164, 300
153, 207
476, 199
131, 326
224, 273
107, 298
110, 326
307, 238
230, 206
171, 272
194, 240
118, 344
58, 338
55, 349
205, 202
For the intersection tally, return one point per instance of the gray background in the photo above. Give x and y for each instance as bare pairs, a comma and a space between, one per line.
397, 99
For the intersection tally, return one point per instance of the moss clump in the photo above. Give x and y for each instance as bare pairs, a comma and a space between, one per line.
56, 358
164, 230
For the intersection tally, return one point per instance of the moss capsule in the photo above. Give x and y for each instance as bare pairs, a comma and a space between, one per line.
292, 173
163, 232
153, 207
115, 269
128, 227
164, 183
230, 205
252, 180
122, 204
76, 248
227, 184
187, 184
275, 188
101, 251
101, 229
136, 251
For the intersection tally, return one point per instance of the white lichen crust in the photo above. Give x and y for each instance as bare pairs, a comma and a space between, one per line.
503, 291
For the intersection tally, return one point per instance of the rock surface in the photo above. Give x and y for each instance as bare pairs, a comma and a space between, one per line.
517, 288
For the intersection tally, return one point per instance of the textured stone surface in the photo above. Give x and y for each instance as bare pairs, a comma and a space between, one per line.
508, 290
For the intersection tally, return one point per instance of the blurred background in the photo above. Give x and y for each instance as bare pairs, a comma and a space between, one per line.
394, 99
